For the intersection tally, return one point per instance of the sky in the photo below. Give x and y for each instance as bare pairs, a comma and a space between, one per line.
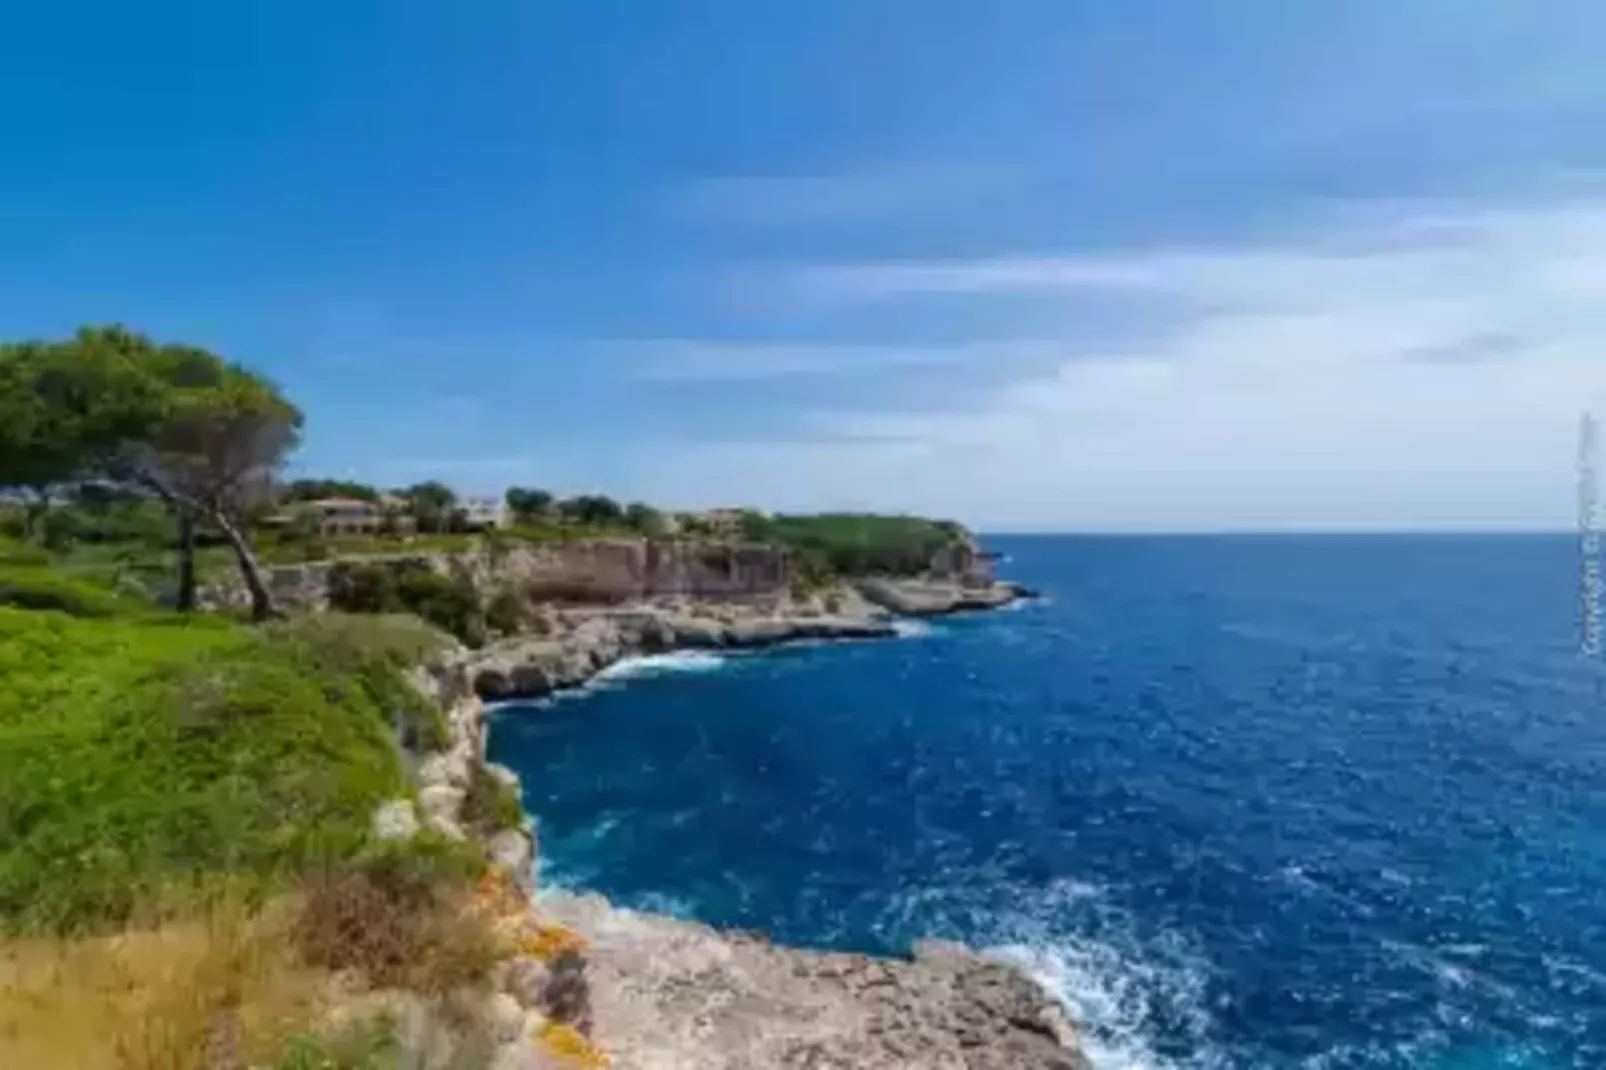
1031, 264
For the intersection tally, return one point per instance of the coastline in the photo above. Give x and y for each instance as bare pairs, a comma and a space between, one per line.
579, 644
661, 993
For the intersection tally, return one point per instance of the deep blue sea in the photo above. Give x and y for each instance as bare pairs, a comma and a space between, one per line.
1244, 802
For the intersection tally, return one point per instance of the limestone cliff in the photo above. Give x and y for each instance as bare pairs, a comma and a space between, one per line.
646, 992
603, 570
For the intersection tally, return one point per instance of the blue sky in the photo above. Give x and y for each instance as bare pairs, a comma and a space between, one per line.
1111, 264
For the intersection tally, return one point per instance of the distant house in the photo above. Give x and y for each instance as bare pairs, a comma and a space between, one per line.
725, 521
483, 514
355, 516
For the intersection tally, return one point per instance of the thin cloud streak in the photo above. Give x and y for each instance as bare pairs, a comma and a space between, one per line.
1426, 373
712, 361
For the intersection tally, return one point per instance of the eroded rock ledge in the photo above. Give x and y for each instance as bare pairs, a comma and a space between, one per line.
934, 597
674, 995
580, 642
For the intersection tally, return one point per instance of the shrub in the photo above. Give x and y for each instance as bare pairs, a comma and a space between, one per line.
411, 586
489, 806
507, 613
358, 587
371, 651
854, 544
147, 758
42, 588
16, 552
398, 917
450, 604
366, 1045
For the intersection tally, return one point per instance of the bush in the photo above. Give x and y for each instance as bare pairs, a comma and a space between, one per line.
366, 1045
398, 917
413, 587
450, 604
42, 588
357, 587
146, 759
489, 806
507, 613
371, 651
857, 544
17, 553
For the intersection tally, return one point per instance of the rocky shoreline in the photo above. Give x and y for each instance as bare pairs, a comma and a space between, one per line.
649, 992
675, 995
578, 643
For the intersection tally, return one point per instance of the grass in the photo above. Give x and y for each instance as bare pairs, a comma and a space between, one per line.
234, 986
155, 998
187, 866
149, 759
35, 587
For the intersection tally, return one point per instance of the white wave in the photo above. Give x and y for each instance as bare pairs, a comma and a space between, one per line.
681, 661
1119, 988
1020, 604
659, 903
912, 628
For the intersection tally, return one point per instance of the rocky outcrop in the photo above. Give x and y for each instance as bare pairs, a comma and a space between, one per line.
587, 641
672, 995
933, 596
577, 571
656, 993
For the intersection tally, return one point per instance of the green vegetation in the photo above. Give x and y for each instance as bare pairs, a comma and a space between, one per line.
45, 588
175, 424
490, 806
508, 613
408, 585
149, 758
365, 1045
596, 509
433, 505
854, 544
528, 503
306, 490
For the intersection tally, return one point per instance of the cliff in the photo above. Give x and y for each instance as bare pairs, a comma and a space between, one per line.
606, 571
644, 992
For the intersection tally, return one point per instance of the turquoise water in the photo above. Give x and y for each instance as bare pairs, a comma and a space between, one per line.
1243, 802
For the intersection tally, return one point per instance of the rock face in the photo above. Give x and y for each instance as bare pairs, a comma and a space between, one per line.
671, 995
589, 641
934, 596
601, 571
655, 993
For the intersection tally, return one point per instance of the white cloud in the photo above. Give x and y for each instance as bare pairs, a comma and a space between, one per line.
694, 360
1424, 373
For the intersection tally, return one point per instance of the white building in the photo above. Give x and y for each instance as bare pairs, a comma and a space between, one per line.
482, 514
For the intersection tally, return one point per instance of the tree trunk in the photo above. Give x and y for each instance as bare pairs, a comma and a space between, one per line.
262, 605
186, 561
34, 513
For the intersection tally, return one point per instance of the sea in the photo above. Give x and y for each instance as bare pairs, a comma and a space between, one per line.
1241, 802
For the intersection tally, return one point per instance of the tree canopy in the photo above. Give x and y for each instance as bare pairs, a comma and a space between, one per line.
204, 436
433, 504
528, 501
640, 516
306, 490
591, 509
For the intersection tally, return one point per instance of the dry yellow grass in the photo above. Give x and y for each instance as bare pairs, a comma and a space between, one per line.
221, 992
